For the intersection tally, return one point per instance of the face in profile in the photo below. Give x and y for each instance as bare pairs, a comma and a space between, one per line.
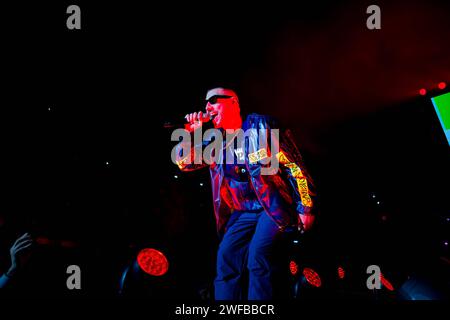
224, 111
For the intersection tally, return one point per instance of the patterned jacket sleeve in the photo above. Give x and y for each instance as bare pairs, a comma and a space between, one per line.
291, 163
189, 156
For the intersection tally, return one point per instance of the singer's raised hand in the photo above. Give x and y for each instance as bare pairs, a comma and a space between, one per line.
195, 120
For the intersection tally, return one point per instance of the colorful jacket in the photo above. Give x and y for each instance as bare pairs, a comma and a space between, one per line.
284, 194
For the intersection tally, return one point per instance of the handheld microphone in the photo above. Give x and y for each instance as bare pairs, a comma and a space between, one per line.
180, 124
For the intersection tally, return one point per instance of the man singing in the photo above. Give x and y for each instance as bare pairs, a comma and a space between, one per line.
252, 207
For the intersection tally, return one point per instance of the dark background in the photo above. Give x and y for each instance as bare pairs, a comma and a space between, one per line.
85, 158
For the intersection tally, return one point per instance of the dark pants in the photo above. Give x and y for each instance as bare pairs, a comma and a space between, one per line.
247, 244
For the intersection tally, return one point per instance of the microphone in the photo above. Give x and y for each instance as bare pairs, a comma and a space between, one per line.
180, 124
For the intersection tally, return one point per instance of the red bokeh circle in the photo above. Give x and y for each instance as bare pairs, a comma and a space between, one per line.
312, 277
153, 262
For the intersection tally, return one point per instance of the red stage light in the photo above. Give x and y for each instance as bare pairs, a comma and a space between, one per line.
312, 277
43, 241
68, 244
293, 267
153, 262
341, 273
442, 85
422, 92
386, 283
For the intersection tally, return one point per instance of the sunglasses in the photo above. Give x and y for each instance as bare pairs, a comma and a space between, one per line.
213, 99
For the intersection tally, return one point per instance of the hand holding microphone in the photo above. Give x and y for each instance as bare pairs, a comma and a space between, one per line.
196, 119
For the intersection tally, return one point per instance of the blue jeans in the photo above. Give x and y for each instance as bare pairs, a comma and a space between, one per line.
247, 244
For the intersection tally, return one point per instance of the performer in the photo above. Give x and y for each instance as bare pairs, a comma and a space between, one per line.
252, 210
